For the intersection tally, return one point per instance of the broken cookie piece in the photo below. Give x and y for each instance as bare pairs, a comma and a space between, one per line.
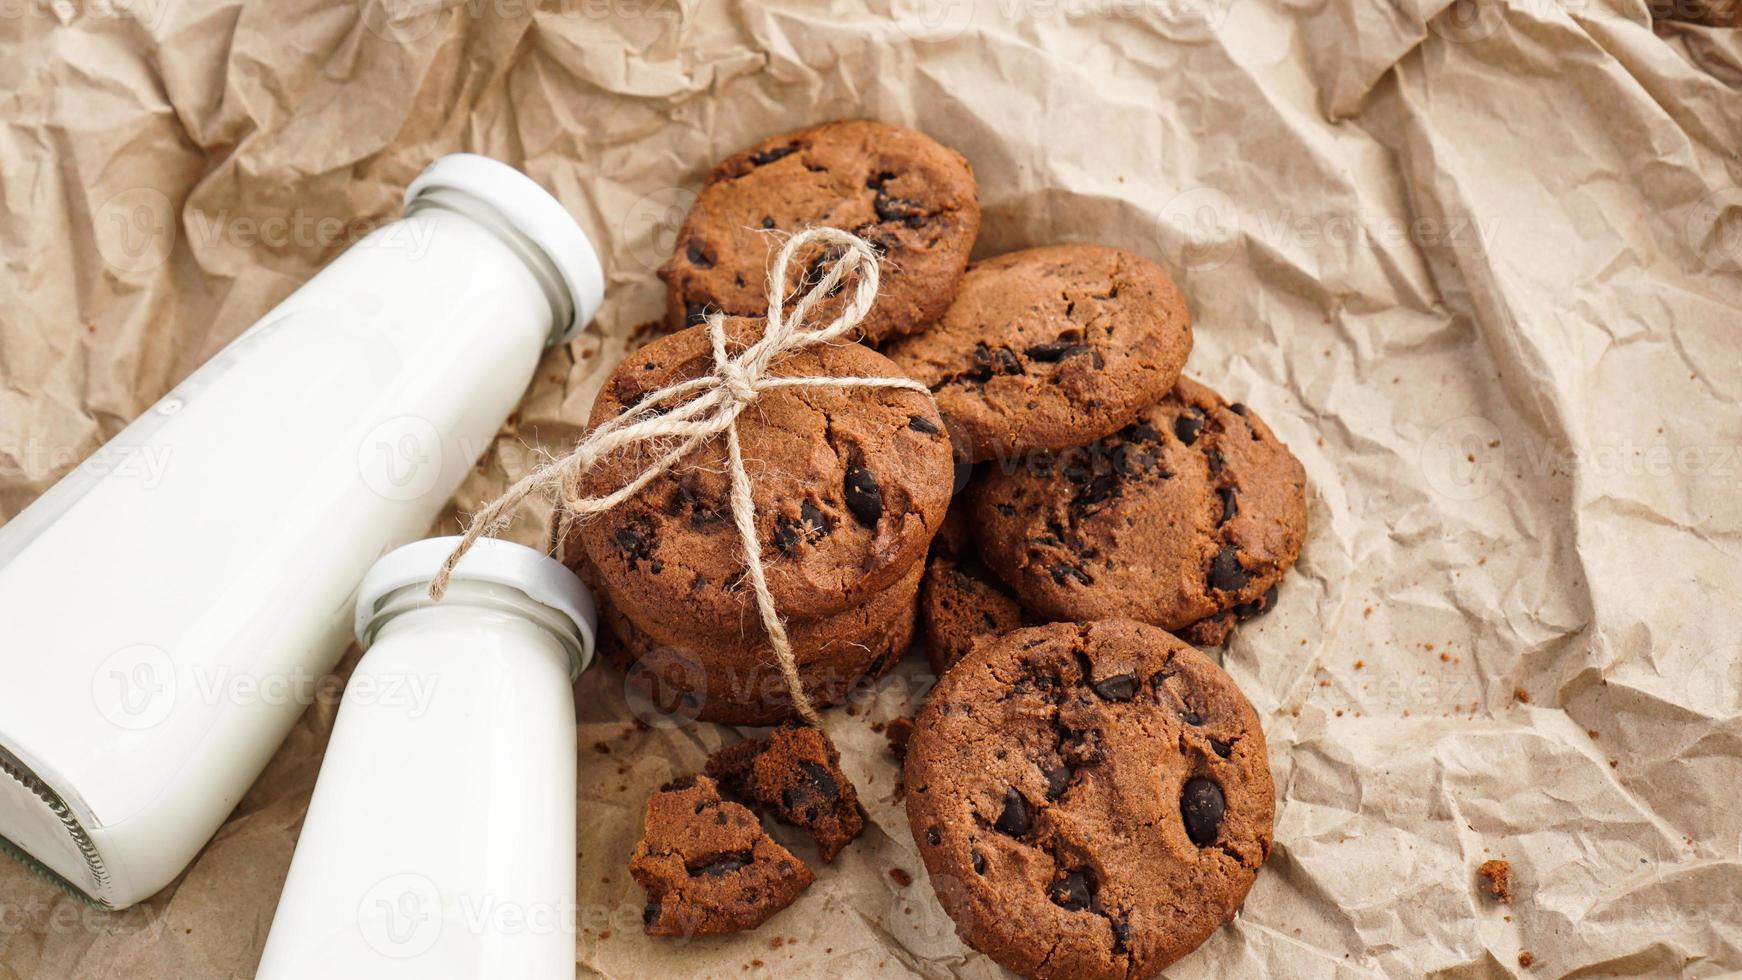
708, 866
796, 773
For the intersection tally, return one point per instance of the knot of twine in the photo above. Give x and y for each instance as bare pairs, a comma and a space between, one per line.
715, 400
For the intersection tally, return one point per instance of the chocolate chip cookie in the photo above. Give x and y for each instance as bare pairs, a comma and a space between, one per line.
1050, 348
1091, 799
734, 679
906, 194
1193, 510
796, 773
708, 866
960, 603
849, 485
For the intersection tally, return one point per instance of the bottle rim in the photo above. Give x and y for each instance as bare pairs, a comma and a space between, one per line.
533, 212
540, 578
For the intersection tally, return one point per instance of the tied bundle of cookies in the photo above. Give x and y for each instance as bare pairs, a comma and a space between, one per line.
1089, 792
849, 484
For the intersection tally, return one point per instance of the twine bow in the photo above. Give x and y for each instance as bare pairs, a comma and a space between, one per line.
715, 401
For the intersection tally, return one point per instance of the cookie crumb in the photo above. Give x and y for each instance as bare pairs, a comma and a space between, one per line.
1497, 881
900, 876
898, 732
1359, 664
1524, 958
1520, 695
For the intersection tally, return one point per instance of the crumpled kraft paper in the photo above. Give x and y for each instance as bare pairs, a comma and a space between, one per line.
1480, 265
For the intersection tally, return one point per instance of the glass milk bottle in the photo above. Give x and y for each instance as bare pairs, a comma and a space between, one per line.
161, 635
440, 842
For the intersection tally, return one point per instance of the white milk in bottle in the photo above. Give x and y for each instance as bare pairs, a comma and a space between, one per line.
440, 841
160, 635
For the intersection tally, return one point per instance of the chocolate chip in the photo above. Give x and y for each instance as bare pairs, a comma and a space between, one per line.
725, 864
1120, 687
1056, 350
636, 547
1121, 935
919, 423
1142, 432
1247, 610
818, 523
786, 534
767, 222
864, 497
1190, 717
1075, 891
897, 209
1238, 409
1061, 572
697, 257
1058, 779
1226, 573
822, 779
933, 838
1230, 506
650, 913
1016, 820
989, 361
1201, 807
764, 157
1187, 426
978, 860
1222, 748
1101, 489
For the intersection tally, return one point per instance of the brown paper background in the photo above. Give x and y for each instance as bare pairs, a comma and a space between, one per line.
1480, 266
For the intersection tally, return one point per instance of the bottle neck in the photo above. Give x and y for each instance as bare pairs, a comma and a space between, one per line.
475, 598
543, 270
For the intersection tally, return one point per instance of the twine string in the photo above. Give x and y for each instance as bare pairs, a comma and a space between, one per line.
714, 402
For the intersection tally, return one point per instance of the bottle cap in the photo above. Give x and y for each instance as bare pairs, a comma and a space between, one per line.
543, 579
534, 213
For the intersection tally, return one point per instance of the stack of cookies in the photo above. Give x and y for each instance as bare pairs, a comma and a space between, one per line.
1091, 797
849, 484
